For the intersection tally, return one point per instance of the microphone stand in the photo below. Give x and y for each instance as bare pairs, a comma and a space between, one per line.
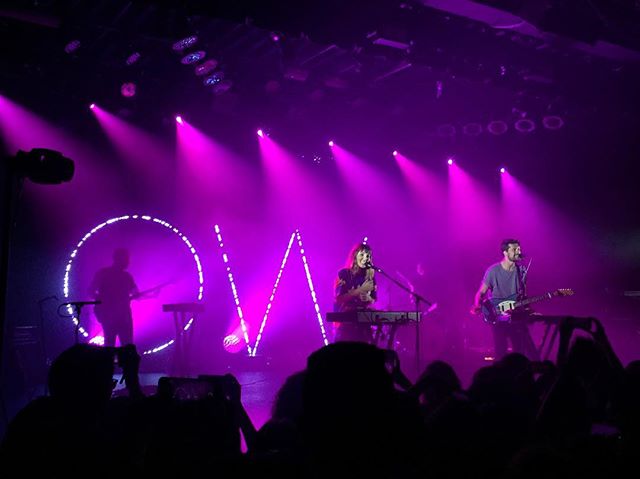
79, 311
416, 298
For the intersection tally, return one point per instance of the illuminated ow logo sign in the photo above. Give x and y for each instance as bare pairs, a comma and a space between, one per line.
225, 257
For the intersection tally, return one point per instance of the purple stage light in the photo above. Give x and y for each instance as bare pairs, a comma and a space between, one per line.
497, 127
85, 238
503, 170
72, 46
184, 43
128, 89
193, 57
234, 290
331, 143
92, 106
179, 120
450, 161
525, 125
133, 58
553, 122
395, 153
206, 67
214, 79
260, 133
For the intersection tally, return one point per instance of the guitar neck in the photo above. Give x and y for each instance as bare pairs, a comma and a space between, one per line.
533, 299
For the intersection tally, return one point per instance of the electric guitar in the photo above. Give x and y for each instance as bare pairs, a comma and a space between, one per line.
497, 310
99, 310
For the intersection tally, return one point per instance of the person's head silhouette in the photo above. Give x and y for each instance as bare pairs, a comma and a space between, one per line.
121, 258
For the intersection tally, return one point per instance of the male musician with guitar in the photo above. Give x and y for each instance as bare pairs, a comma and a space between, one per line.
355, 289
506, 281
114, 287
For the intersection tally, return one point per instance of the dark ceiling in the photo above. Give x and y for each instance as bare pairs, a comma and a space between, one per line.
383, 57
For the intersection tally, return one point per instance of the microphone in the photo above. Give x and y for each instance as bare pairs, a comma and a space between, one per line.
81, 303
369, 265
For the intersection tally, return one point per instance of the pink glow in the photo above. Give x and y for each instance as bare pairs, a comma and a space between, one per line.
179, 120
395, 153
331, 143
295, 192
139, 148
260, 133
92, 106
503, 170
450, 161
428, 190
208, 173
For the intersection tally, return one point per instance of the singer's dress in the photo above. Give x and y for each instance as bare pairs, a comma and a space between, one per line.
346, 281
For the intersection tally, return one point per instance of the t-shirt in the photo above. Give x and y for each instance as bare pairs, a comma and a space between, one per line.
503, 283
347, 280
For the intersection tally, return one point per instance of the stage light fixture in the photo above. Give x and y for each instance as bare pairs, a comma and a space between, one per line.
497, 127
133, 58
552, 122
524, 125
185, 43
128, 90
72, 46
193, 57
214, 78
206, 67
43, 166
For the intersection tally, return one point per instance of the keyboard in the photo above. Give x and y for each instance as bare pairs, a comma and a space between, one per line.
183, 308
374, 317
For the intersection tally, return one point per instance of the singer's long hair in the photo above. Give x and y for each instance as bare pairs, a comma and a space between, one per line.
351, 262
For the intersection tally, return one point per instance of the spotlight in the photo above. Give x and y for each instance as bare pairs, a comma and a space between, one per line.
92, 106
331, 143
206, 67
184, 43
133, 58
503, 170
260, 133
179, 120
497, 127
450, 161
72, 46
552, 122
214, 78
128, 89
524, 125
193, 57
395, 153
